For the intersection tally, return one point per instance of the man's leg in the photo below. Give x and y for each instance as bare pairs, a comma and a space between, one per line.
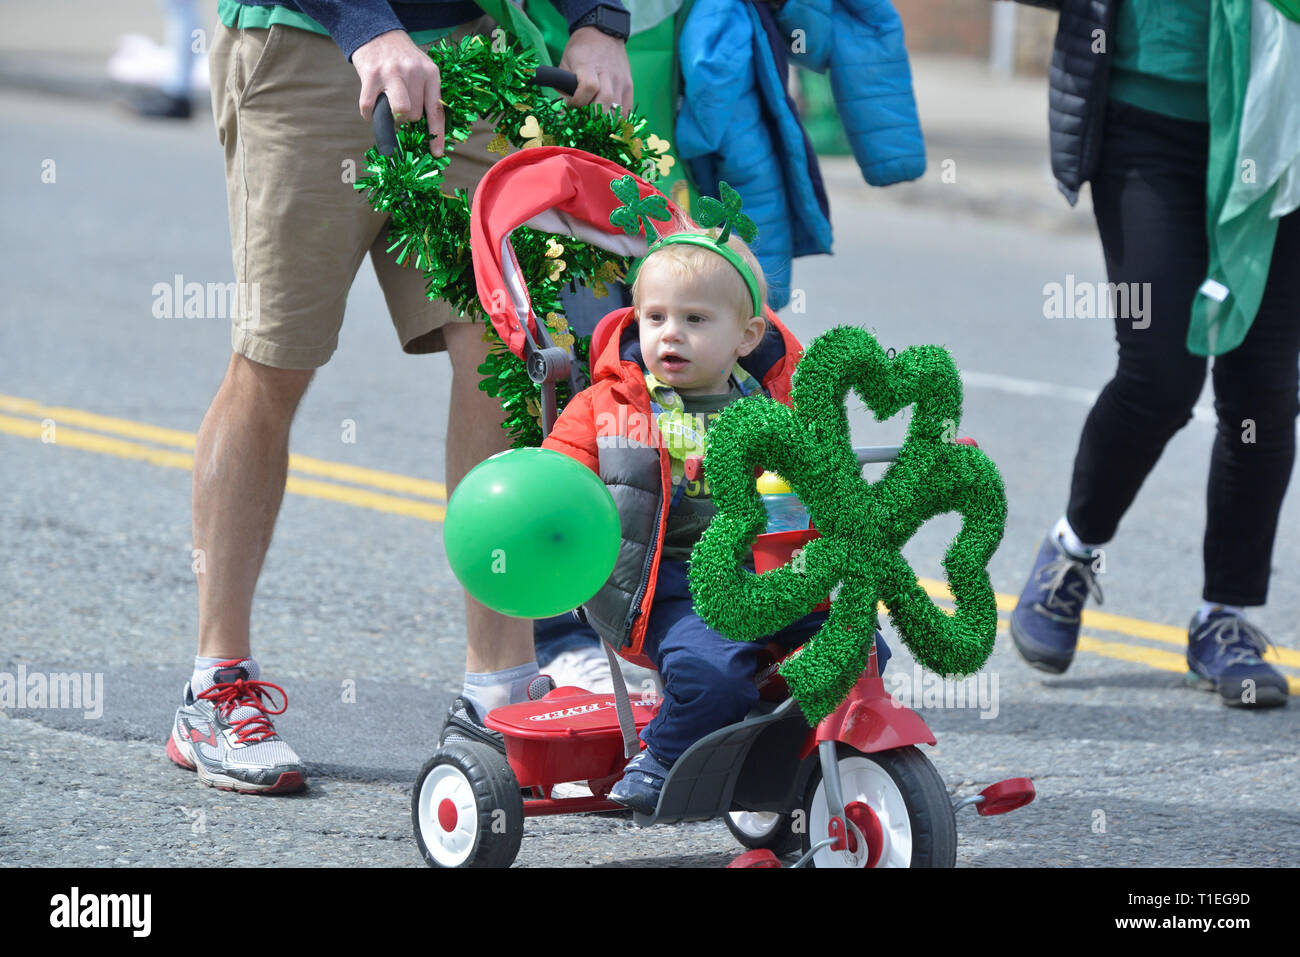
240, 463
494, 642
222, 729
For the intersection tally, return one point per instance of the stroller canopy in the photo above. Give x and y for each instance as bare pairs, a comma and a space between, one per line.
556, 190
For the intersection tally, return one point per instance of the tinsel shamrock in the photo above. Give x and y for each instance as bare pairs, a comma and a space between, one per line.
863, 525
430, 229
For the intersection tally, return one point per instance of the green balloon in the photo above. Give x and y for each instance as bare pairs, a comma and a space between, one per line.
531, 533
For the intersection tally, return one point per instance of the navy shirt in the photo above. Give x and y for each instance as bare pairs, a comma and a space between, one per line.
352, 23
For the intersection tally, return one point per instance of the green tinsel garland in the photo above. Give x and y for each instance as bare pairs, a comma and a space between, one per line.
863, 525
430, 229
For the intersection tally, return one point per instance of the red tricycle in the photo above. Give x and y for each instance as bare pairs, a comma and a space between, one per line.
856, 791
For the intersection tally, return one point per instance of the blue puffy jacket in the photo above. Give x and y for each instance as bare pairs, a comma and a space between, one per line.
737, 124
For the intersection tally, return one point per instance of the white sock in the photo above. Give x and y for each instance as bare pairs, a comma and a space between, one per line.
1211, 606
201, 680
495, 689
1070, 541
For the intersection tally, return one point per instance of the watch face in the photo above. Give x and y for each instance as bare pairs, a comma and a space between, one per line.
617, 21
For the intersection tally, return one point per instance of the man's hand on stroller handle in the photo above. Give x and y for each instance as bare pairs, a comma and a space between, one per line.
385, 122
600, 62
392, 65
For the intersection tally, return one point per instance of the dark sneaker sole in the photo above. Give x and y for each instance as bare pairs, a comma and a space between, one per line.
1265, 697
632, 804
287, 783
1050, 661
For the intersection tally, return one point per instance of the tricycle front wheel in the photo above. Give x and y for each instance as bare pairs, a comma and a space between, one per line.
911, 816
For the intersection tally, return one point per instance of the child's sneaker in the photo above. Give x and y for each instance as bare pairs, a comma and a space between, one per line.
224, 732
641, 784
1045, 623
1225, 654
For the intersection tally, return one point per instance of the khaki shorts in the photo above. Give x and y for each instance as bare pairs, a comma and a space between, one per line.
285, 102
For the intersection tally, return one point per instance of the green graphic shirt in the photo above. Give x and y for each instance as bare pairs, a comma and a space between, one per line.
690, 516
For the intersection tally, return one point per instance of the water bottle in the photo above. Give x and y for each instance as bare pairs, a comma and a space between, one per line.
785, 513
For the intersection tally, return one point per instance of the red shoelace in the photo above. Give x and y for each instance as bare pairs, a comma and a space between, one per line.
239, 694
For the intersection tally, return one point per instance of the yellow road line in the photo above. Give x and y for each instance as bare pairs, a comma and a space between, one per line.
1152, 657
361, 498
103, 444
356, 474
1120, 624
64, 417
1140, 654
68, 437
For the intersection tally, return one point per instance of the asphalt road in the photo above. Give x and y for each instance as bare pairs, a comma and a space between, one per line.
95, 549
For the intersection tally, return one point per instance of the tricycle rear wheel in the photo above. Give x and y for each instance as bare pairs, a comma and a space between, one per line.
467, 809
764, 829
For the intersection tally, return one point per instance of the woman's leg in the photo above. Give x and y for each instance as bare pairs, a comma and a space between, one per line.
1255, 388
1149, 199
1254, 448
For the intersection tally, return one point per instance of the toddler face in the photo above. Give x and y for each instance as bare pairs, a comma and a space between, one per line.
691, 334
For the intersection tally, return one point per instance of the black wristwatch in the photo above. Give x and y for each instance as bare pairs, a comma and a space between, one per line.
613, 21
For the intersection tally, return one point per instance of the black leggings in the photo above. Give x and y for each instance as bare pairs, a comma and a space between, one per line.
1149, 199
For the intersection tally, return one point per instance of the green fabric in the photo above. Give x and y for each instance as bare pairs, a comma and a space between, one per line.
820, 116
652, 55
1291, 8
1183, 101
239, 17
690, 516
516, 22
1240, 240
1160, 58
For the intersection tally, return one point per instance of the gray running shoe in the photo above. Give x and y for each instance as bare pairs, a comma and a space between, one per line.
464, 723
224, 732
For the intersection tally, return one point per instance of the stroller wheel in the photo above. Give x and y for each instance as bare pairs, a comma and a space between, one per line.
466, 808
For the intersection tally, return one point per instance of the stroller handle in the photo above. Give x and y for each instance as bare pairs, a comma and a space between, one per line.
386, 129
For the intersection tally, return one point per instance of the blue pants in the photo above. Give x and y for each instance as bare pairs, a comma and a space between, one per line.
552, 637
708, 678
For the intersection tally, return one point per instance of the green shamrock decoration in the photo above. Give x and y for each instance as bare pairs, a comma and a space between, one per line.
863, 525
726, 213
636, 213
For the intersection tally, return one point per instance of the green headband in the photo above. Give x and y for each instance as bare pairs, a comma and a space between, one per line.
637, 215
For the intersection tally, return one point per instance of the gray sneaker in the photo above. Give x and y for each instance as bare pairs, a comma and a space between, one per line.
1225, 653
465, 724
1045, 623
224, 732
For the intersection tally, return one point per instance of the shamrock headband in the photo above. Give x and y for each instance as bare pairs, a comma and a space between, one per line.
637, 215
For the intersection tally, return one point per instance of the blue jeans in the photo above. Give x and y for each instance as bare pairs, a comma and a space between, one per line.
708, 678
552, 637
